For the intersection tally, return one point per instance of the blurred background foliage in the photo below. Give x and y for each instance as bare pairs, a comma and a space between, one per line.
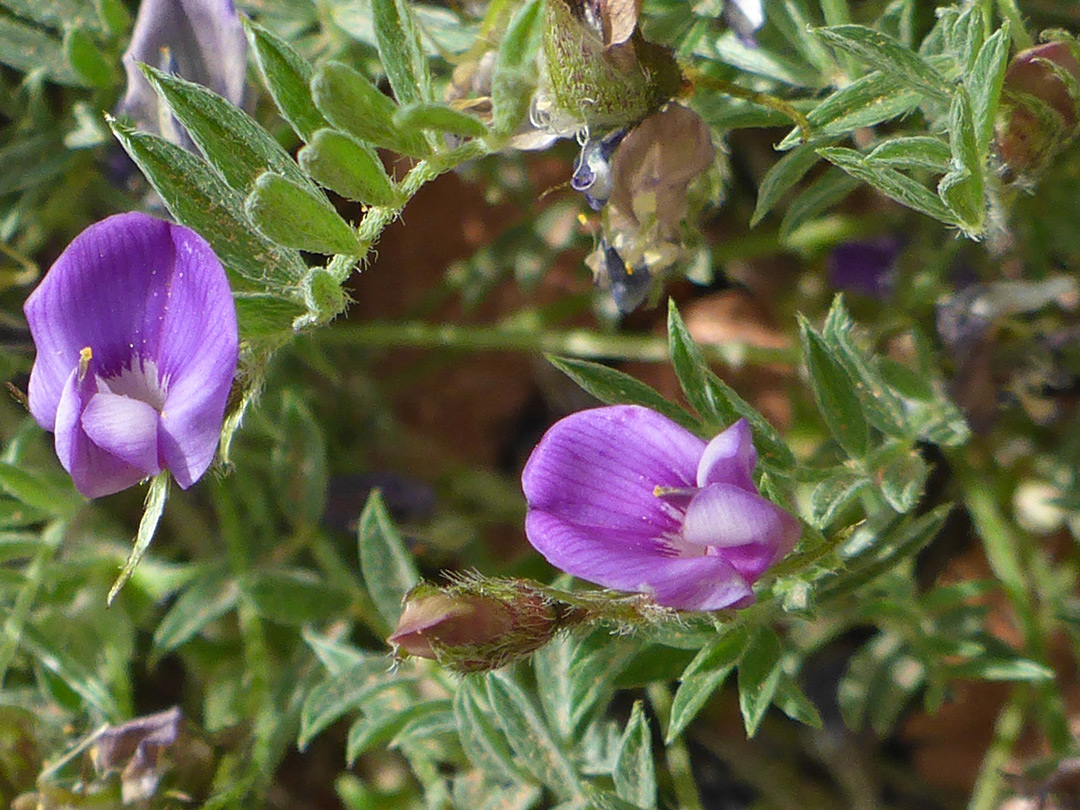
919, 650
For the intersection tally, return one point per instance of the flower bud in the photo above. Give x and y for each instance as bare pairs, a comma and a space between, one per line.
476, 625
1041, 113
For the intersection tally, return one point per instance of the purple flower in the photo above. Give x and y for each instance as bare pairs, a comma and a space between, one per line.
136, 341
625, 498
199, 40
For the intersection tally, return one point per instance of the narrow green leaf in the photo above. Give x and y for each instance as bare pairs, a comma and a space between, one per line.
962, 188
835, 394
39, 493
1000, 669
333, 653
72, 673
484, 744
349, 167
296, 218
702, 677
352, 103
231, 140
373, 731
388, 570
529, 737
715, 400
337, 695
28, 49
984, 86
869, 100
261, 316
156, 496
831, 496
295, 597
912, 152
401, 52
635, 770
790, 18
598, 799
200, 199
514, 77
58, 14
891, 183
828, 190
793, 702
879, 50
288, 78
882, 407
439, 118
617, 388
760, 671
211, 595
784, 174
759, 60
903, 479
86, 59
427, 727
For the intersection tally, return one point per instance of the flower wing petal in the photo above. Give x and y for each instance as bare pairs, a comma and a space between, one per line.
95, 472
689, 583
725, 516
599, 468
125, 427
729, 458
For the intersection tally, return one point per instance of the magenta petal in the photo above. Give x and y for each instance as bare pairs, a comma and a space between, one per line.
724, 516
124, 427
687, 583
94, 471
599, 468
729, 458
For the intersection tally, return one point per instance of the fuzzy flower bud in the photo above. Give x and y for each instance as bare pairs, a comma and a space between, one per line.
476, 625
1041, 94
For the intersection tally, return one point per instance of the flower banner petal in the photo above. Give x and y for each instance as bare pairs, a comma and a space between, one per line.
600, 468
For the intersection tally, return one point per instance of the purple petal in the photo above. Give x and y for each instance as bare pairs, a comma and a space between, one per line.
125, 427
724, 516
688, 583
94, 471
599, 468
867, 267
206, 45
197, 357
151, 301
729, 458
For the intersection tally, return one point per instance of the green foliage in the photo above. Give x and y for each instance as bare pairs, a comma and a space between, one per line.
253, 610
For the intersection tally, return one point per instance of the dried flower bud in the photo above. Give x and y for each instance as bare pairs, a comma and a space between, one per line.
476, 625
1041, 86
599, 72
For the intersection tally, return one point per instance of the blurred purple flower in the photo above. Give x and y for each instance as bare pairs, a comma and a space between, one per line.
625, 498
136, 341
867, 267
199, 40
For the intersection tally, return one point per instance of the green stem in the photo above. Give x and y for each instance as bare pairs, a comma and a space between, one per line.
1011, 12
676, 754
257, 658
772, 102
24, 602
1007, 728
581, 343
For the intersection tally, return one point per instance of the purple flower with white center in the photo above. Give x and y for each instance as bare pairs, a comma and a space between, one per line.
199, 40
624, 497
136, 339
